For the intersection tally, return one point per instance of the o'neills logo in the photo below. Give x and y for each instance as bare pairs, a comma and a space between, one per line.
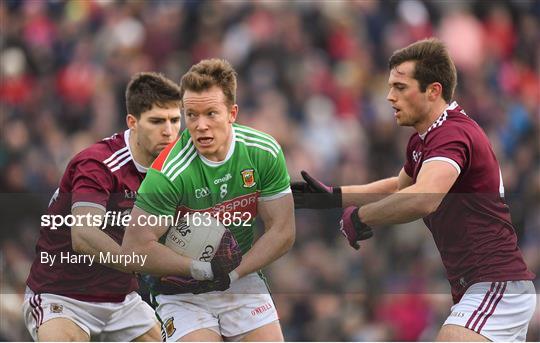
248, 178
261, 309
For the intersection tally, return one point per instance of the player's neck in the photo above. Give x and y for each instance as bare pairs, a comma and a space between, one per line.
433, 115
140, 157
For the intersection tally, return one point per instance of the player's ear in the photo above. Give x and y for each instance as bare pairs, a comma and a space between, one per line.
434, 90
131, 121
233, 112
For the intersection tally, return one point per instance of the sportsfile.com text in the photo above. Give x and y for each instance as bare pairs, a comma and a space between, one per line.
110, 218
122, 219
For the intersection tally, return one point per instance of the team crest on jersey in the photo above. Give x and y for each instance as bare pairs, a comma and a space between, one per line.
169, 327
248, 178
416, 155
129, 194
56, 308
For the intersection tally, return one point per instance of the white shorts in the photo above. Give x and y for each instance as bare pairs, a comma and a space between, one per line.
499, 311
245, 306
102, 321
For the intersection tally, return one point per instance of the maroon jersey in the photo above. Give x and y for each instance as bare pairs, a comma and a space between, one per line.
472, 226
104, 176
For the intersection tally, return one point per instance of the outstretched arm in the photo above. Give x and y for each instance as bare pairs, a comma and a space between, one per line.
364, 194
312, 193
416, 201
278, 218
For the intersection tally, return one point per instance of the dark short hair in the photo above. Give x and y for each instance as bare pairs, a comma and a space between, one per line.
209, 73
433, 64
148, 89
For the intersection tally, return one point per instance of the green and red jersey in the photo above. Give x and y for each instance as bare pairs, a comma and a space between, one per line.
182, 181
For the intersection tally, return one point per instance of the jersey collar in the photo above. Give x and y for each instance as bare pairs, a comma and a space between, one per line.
438, 122
140, 167
227, 157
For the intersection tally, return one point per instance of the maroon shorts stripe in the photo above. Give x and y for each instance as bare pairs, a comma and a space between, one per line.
485, 311
481, 305
35, 319
34, 314
492, 309
35, 311
40, 309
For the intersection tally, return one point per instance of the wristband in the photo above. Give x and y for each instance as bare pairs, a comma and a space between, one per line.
338, 197
201, 270
233, 276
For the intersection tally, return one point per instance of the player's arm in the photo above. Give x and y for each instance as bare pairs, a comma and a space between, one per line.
278, 218
92, 184
89, 239
143, 240
404, 180
415, 201
364, 194
312, 193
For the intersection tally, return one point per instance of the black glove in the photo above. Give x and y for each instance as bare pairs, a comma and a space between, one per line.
314, 194
353, 228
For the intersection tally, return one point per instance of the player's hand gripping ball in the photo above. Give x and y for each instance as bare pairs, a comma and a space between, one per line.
205, 240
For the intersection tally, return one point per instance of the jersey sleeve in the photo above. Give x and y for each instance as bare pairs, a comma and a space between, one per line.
274, 176
92, 183
450, 145
157, 194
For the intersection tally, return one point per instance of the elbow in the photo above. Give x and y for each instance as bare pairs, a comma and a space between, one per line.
288, 240
430, 207
76, 245
124, 250
128, 248
425, 202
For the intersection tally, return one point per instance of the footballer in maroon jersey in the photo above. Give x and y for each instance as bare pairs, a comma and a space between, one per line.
472, 226
452, 180
103, 176
76, 288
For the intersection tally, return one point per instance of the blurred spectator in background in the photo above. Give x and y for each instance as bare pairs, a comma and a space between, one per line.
314, 76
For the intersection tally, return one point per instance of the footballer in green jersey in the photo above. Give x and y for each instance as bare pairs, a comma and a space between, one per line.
234, 173
254, 169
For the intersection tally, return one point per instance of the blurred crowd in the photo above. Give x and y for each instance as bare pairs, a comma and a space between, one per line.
314, 75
